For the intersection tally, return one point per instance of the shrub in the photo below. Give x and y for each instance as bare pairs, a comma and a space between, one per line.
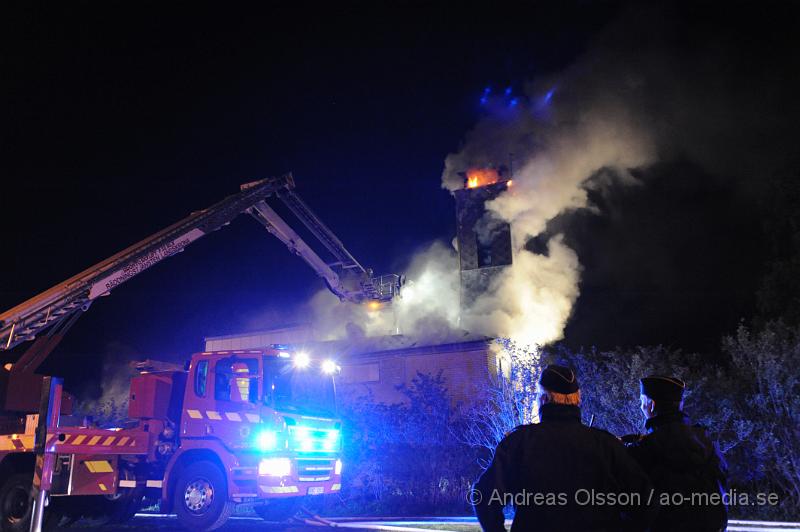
765, 365
405, 458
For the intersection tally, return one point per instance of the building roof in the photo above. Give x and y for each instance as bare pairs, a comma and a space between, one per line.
301, 338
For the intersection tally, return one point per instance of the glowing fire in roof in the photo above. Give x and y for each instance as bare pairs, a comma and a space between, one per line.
480, 177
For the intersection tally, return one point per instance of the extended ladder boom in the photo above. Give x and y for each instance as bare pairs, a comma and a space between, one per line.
61, 304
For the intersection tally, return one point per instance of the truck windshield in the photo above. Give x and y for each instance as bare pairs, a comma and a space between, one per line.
305, 391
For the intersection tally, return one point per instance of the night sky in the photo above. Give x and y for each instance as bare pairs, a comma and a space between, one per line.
119, 119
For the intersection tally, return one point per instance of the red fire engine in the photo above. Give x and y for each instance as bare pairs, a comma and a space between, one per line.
232, 427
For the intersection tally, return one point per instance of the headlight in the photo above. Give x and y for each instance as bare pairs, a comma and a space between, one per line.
337, 469
329, 367
275, 467
267, 440
302, 360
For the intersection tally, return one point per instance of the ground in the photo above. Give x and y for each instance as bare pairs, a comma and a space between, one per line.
454, 524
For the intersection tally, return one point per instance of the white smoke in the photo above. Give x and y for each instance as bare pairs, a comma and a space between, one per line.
428, 308
559, 141
531, 301
111, 407
637, 97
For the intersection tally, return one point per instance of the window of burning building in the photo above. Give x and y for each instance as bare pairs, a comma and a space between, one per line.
484, 241
493, 248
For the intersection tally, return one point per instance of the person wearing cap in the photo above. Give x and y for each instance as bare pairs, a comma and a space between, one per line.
560, 474
684, 464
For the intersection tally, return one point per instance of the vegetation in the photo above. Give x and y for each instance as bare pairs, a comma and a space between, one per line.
406, 458
420, 457
749, 401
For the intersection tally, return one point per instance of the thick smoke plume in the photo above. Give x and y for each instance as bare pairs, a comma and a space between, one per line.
558, 138
650, 89
558, 150
428, 309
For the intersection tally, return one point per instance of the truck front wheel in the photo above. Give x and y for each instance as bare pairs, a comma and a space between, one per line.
201, 497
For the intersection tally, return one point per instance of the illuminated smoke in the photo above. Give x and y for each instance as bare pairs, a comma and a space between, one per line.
428, 308
531, 301
645, 92
559, 142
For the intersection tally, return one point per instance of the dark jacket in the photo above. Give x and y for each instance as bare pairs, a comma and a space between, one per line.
685, 467
552, 468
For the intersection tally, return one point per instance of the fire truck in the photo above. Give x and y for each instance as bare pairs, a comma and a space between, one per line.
229, 427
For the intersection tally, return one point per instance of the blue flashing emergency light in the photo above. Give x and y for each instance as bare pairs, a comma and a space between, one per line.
331, 441
267, 440
307, 440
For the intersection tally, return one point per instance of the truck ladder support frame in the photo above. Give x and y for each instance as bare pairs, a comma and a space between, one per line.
272, 222
49, 413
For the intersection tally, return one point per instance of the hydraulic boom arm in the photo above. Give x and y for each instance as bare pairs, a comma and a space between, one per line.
56, 308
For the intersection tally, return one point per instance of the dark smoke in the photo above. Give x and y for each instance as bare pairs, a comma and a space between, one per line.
650, 155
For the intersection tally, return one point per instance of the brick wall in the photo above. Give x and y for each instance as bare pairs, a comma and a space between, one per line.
466, 368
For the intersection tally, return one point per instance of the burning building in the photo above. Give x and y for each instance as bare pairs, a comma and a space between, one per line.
484, 242
379, 365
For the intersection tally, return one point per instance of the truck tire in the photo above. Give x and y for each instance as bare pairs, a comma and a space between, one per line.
201, 497
16, 505
279, 510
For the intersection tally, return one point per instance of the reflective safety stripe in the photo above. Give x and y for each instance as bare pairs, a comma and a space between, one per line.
127, 483
16, 442
94, 440
102, 486
98, 466
154, 483
336, 487
109, 440
122, 441
230, 416
79, 439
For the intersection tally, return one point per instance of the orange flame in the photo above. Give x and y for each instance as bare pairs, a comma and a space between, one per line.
480, 177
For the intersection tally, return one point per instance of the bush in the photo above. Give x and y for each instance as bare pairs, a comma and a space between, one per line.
509, 402
405, 458
765, 369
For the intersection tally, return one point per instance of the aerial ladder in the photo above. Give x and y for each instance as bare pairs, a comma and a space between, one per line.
45, 318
